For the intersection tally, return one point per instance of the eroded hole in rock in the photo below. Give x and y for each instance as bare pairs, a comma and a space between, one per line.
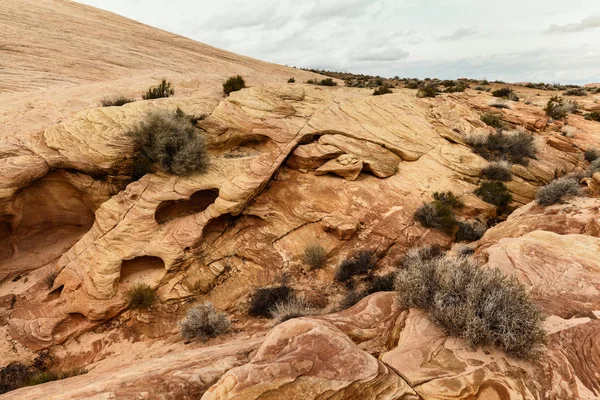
45, 219
146, 269
55, 294
216, 227
198, 202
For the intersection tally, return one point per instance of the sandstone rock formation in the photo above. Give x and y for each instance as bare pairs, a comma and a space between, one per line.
291, 165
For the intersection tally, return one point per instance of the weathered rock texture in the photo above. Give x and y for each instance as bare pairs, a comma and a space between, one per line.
291, 165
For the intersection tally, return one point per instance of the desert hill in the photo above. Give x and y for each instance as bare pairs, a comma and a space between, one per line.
291, 166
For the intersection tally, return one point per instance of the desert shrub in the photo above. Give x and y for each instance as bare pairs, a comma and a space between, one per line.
594, 167
495, 193
382, 283
204, 321
50, 278
505, 93
428, 90
140, 295
479, 305
264, 300
294, 308
555, 191
593, 116
140, 166
170, 141
516, 146
14, 376
179, 113
382, 90
291, 80
575, 92
417, 255
558, 108
328, 82
233, 84
465, 251
412, 84
499, 103
448, 199
497, 171
360, 263
162, 90
458, 87
49, 376
436, 215
470, 231
492, 119
591, 154
315, 256
116, 101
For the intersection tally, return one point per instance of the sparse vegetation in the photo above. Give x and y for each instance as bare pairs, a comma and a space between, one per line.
315, 256
470, 231
429, 89
479, 305
516, 146
593, 116
360, 263
495, 193
506, 93
557, 190
436, 215
291, 80
382, 283
324, 82
49, 376
497, 171
233, 84
591, 154
492, 119
170, 141
294, 308
263, 301
577, 91
116, 101
164, 89
352, 297
204, 321
140, 295
382, 90
558, 108
448, 199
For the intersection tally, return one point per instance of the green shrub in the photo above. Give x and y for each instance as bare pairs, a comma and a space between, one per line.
575, 92
504, 93
428, 90
170, 141
497, 171
360, 263
436, 215
49, 376
458, 87
116, 102
470, 231
412, 85
495, 193
328, 82
558, 108
141, 295
204, 321
449, 199
591, 154
593, 116
492, 119
315, 256
516, 146
162, 90
233, 84
479, 305
555, 191
291, 80
264, 300
382, 90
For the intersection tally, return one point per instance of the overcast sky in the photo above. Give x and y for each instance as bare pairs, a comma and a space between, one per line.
513, 40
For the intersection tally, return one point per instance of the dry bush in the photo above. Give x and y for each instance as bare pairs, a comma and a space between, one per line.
591, 155
49, 376
448, 199
516, 146
351, 298
141, 295
429, 89
204, 321
315, 256
594, 167
436, 215
497, 171
593, 116
291, 80
264, 300
359, 264
164, 89
479, 305
495, 193
470, 231
169, 140
116, 101
294, 308
575, 92
506, 93
381, 90
233, 84
555, 191
492, 119
558, 108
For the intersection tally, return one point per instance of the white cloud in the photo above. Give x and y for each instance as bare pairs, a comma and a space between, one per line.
586, 23
459, 33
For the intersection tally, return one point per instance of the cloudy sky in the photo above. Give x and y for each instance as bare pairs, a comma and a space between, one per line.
513, 40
